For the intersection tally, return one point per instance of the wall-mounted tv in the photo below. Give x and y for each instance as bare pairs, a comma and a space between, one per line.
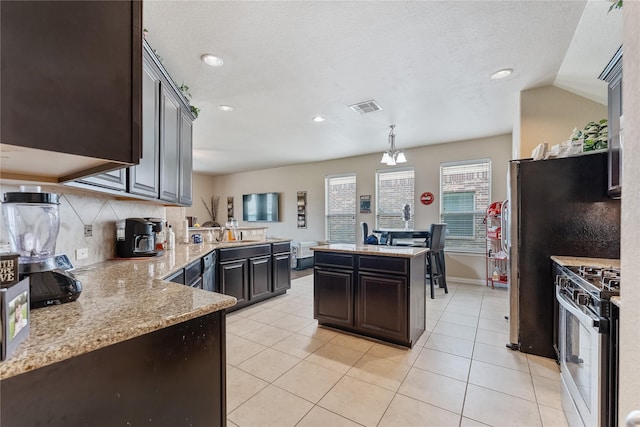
260, 207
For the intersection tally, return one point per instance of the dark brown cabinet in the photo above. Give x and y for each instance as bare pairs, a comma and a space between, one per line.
114, 180
281, 266
249, 272
169, 147
144, 178
185, 163
377, 296
613, 76
71, 82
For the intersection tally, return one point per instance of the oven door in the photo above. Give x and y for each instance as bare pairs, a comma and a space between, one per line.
582, 358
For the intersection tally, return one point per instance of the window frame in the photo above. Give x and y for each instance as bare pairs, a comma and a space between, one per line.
478, 212
378, 199
327, 216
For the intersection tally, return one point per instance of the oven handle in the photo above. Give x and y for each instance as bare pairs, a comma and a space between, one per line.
601, 324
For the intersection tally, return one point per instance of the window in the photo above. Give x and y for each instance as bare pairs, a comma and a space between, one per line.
340, 208
394, 189
465, 189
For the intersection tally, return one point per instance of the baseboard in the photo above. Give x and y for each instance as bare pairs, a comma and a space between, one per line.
466, 281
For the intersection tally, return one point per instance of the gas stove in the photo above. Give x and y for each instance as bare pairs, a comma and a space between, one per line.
603, 281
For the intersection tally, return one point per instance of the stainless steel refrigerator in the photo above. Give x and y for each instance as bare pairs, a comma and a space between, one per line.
555, 207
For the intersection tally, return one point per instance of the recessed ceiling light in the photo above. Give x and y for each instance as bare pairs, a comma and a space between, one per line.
501, 74
318, 119
214, 61
225, 108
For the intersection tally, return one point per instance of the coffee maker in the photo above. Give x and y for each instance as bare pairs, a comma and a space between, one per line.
33, 223
135, 237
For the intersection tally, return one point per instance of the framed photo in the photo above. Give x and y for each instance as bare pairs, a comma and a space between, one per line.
365, 204
15, 317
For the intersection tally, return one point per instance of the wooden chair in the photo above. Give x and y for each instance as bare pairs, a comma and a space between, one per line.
436, 269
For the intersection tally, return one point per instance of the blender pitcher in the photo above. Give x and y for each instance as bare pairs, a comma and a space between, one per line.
33, 223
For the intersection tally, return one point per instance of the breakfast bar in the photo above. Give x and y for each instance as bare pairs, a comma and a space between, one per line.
371, 290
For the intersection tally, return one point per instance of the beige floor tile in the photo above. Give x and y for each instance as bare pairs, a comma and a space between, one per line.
543, 366
453, 330
468, 422
241, 387
499, 339
486, 313
407, 412
494, 325
271, 407
552, 417
395, 354
380, 372
269, 364
306, 312
308, 380
318, 332
268, 335
434, 314
430, 324
467, 287
505, 380
240, 349
231, 424
299, 345
289, 306
357, 400
501, 356
459, 318
438, 390
266, 315
423, 339
548, 391
292, 323
443, 363
354, 343
335, 357
499, 409
462, 308
243, 326
447, 344
320, 417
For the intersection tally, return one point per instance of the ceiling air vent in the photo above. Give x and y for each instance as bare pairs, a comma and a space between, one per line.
365, 107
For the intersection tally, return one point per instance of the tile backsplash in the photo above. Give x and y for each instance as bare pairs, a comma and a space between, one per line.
79, 208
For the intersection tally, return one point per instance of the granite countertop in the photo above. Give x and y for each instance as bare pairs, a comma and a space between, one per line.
378, 250
572, 261
120, 300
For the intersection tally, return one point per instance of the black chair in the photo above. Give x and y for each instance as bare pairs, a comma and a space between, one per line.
365, 232
436, 269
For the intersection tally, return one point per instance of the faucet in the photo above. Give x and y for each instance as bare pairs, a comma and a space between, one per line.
223, 233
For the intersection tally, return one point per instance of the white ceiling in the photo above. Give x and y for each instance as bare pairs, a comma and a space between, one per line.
426, 63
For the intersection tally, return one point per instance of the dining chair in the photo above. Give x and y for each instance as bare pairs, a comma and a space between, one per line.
436, 268
365, 232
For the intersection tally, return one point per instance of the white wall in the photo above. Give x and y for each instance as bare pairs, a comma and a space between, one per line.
630, 243
310, 177
549, 114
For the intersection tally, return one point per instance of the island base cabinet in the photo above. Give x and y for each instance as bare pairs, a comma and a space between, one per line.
260, 277
171, 377
234, 280
281, 272
381, 307
333, 297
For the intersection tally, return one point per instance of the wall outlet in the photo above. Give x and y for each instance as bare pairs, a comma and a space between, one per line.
88, 230
82, 254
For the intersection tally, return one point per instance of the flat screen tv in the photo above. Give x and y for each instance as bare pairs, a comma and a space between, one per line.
260, 207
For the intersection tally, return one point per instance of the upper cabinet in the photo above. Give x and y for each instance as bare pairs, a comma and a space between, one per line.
612, 74
71, 88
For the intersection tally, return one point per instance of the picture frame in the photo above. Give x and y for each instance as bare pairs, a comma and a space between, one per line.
15, 316
365, 203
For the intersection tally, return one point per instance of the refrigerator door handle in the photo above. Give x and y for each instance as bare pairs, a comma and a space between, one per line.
504, 227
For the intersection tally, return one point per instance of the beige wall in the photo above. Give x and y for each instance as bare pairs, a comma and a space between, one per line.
310, 177
630, 244
549, 114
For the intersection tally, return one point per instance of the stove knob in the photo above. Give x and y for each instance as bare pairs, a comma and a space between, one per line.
582, 299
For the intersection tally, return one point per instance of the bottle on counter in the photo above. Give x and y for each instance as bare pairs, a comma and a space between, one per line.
185, 236
171, 241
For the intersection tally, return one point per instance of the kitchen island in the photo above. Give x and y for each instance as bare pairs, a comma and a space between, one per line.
376, 291
133, 349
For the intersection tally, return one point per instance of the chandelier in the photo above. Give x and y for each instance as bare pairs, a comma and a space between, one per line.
392, 156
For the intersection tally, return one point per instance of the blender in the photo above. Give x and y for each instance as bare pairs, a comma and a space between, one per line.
33, 222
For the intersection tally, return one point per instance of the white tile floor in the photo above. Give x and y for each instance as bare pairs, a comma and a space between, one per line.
283, 370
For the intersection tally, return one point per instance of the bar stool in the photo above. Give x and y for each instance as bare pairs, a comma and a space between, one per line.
436, 269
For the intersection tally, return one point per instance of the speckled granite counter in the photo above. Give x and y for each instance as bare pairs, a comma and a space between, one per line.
382, 250
120, 300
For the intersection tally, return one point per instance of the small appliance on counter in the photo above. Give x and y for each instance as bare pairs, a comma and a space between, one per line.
135, 237
33, 222
160, 233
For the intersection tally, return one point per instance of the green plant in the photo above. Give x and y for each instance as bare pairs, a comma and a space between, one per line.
616, 5
194, 110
